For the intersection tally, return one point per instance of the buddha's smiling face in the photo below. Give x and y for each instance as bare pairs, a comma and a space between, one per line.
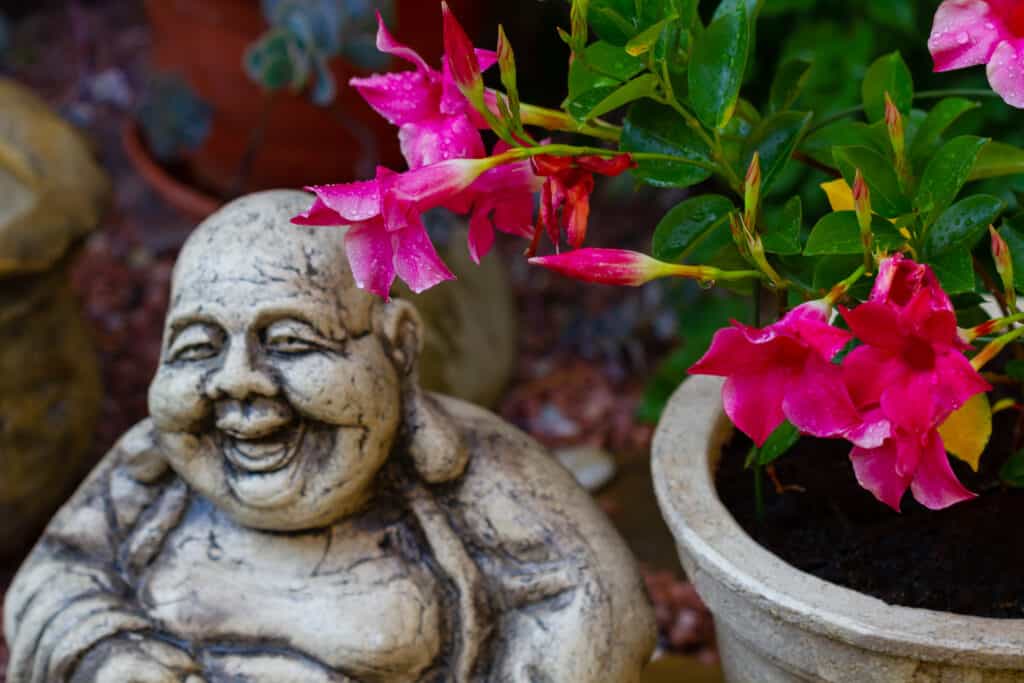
275, 397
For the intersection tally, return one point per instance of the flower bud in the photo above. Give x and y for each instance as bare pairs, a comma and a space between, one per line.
752, 192
1004, 266
462, 59
862, 206
616, 267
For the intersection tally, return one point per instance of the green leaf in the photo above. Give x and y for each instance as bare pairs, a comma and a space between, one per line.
839, 233
887, 74
781, 440
612, 60
686, 224
955, 271
1015, 369
998, 159
775, 139
790, 79
717, 66
1012, 471
641, 86
939, 119
613, 20
962, 224
782, 235
653, 127
831, 270
642, 42
820, 144
945, 175
886, 197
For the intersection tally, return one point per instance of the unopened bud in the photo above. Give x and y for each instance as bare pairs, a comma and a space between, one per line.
862, 207
1004, 266
752, 193
462, 59
897, 137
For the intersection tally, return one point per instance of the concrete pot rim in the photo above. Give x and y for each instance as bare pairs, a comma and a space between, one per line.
686, 448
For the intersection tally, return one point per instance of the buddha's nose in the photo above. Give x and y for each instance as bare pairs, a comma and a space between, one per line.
239, 377
253, 419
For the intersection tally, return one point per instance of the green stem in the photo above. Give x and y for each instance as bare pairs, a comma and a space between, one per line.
576, 150
553, 119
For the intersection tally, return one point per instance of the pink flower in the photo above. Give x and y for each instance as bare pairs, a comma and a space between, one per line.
460, 57
386, 237
435, 120
972, 32
784, 371
565, 198
911, 368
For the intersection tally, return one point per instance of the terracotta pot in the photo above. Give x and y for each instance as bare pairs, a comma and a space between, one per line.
776, 624
203, 41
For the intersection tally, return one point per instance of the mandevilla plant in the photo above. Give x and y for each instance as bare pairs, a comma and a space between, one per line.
866, 346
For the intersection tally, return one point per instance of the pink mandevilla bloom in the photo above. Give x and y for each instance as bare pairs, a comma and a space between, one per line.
911, 369
386, 236
784, 371
972, 32
435, 120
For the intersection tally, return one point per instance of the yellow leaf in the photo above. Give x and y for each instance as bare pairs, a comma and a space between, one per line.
840, 195
966, 432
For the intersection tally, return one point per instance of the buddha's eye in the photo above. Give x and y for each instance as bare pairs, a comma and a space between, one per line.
198, 341
293, 337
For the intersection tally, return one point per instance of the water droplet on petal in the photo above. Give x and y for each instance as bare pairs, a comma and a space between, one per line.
962, 38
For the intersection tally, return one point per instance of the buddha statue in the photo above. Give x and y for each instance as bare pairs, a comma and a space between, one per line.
297, 510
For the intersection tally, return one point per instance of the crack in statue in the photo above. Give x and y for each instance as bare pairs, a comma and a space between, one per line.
297, 510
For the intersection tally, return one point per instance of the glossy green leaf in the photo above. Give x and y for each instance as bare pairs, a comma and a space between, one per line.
831, 270
653, 127
998, 159
611, 60
1012, 471
613, 20
782, 233
936, 123
839, 233
717, 66
641, 86
820, 144
775, 139
888, 74
686, 224
955, 271
962, 225
886, 197
945, 175
788, 83
643, 42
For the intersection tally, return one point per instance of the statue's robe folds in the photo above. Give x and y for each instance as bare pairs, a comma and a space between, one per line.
507, 573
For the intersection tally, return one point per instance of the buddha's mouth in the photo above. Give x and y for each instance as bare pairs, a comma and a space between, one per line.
265, 454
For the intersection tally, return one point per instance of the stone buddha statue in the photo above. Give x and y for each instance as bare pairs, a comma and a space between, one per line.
297, 510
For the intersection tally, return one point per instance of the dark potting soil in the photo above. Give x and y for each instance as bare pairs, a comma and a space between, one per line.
967, 559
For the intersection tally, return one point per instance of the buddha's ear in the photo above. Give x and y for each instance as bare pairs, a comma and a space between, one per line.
400, 324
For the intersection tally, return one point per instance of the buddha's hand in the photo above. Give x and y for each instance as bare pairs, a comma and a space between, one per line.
135, 659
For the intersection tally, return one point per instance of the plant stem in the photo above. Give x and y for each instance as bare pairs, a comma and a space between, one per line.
576, 150
553, 119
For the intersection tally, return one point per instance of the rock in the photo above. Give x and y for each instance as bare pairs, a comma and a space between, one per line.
592, 467
52, 194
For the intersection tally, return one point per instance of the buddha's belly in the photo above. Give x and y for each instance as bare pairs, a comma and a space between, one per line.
332, 599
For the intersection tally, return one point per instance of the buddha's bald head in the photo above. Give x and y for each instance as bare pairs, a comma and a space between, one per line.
279, 391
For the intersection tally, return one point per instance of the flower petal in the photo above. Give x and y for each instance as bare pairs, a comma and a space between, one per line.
869, 371
809, 323
817, 403
416, 259
387, 43
400, 97
956, 382
754, 401
481, 234
965, 33
875, 323
910, 405
1006, 72
875, 469
354, 202
439, 138
732, 352
319, 214
935, 485
371, 258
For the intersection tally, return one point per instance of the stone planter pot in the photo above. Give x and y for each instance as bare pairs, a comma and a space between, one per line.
776, 624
